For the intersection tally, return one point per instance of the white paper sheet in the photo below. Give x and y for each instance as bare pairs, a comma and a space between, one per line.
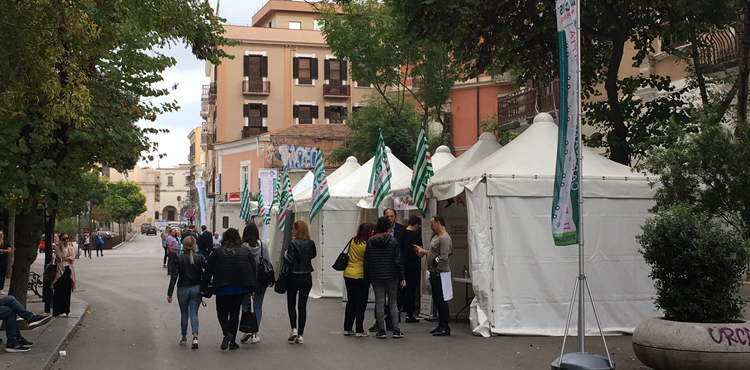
445, 280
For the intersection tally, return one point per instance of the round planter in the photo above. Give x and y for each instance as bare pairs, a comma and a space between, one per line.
665, 345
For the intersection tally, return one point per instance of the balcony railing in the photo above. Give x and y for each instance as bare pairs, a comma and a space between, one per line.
208, 139
249, 131
726, 48
522, 104
336, 91
209, 93
204, 110
256, 87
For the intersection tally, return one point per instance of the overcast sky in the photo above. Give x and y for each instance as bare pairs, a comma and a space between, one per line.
190, 74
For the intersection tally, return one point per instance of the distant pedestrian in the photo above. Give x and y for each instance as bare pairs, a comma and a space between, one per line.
412, 267
5, 250
205, 243
164, 236
259, 250
186, 271
232, 268
298, 257
383, 268
357, 290
438, 264
189, 232
86, 245
216, 240
173, 247
99, 244
65, 280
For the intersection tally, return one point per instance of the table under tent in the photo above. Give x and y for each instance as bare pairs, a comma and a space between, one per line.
522, 282
337, 222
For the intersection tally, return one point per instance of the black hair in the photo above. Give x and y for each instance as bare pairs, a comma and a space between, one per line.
414, 220
251, 235
203, 227
383, 225
389, 209
439, 218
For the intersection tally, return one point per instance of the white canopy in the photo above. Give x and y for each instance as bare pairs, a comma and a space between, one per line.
453, 176
440, 159
340, 173
304, 183
522, 281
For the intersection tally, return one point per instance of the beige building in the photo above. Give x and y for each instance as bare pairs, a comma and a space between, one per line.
146, 178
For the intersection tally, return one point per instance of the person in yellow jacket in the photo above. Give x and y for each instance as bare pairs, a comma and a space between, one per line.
357, 289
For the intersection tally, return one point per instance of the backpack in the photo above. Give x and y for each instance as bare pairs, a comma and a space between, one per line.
266, 275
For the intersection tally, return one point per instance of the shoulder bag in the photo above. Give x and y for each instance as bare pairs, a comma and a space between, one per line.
249, 321
266, 275
343, 259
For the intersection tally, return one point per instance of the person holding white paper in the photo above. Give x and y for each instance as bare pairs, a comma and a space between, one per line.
438, 266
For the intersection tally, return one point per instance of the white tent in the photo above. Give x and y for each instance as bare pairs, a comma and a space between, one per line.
304, 183
440, 159
522, 281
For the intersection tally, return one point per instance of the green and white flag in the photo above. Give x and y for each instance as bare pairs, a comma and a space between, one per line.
285, 199
320, 187
263, 209
422, 173
245, 206
565, 207
380, 178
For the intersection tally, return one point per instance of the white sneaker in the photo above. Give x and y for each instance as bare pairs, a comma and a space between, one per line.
245, 338
195, 343
183, 342
292, 336
255, 339
298, 340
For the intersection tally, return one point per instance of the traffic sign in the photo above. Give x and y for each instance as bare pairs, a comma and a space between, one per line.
189, 213
122, 219
235, 197
85, 230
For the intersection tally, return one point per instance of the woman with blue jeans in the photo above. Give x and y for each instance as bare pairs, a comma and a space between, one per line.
186, 271
251, 239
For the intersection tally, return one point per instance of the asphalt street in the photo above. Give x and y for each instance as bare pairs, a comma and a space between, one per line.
130, 325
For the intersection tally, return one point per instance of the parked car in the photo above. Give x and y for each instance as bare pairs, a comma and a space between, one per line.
108, 234
56, 239
149, 229
143, 227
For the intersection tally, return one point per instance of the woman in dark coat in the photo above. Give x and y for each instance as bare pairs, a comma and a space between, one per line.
233, 270
384, 270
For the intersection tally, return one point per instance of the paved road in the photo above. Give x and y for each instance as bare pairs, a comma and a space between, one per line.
131, 326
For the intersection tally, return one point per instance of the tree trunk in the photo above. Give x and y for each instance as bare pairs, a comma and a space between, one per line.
695, 55
11, 240
618, 137
743, 77
25, 252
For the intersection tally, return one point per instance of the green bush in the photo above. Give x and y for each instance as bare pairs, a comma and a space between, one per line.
696, 263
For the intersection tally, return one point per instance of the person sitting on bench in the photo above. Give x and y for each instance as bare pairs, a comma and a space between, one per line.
10, 309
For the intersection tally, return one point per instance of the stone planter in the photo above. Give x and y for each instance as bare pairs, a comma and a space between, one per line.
664, 345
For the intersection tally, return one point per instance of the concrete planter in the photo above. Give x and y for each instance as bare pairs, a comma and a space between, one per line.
665, 345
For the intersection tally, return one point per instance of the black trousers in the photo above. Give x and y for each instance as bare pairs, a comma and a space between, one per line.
298, 283
408, 302
357, 292
228, 310
3, 272
166, 253
437, 297
61, 295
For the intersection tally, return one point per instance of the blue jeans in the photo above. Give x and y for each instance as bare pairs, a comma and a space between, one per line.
260, 292
8, 311
190, 301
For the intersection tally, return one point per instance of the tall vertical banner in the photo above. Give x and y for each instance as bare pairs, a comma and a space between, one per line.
285, 198
267, 187
200, 188
422, 172
245, 204
380, 178
320, 187
565, 207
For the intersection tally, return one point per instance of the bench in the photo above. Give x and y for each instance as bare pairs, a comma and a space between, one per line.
35, 283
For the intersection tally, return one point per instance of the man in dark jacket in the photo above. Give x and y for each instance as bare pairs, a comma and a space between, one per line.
189, 232
412, 267
383, 268
205, 244
397, 231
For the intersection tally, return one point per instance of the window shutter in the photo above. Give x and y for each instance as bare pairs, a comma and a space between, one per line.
314, 68
246, 65
327, 112
344, 74
327, 70
295, 68
344, 111
295, 111
246, 110
264, 110
264, 67
314, 111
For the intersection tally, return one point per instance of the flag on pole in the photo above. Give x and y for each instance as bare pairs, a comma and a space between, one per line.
245, 206
422, 172
380, 177
285, 199
565, 207
320, 187
263, 209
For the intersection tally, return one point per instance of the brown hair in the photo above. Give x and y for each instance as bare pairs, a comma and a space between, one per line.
189, 244
364, 232
231, 240
300, 230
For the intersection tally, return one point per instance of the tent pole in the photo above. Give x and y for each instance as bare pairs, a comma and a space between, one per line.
581, 276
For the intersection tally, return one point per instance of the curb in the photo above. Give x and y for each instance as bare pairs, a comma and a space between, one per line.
127, 239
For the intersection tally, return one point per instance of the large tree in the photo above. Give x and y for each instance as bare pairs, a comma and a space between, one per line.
71, 74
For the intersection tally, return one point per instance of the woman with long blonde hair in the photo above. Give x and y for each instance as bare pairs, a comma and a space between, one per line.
186, 271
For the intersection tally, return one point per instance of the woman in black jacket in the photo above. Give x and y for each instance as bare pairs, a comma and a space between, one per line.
188, 268
232, 268
385, 271
298, 257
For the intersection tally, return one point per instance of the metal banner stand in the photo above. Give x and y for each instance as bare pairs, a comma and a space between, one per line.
580, 359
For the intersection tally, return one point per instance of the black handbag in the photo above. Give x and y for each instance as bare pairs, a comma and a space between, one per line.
281, 282
343, 258
249, 322
50, 271
266, 275
209, 290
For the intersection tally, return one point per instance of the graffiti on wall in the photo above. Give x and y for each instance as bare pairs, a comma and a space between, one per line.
296, 156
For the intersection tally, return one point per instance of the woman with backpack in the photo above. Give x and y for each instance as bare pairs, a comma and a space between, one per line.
259, 250
186, 272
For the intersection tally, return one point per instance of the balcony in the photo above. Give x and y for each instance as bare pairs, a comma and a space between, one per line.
725, 51
204, 110
522, 104
209, 93
336, 91
256, 87
208, 138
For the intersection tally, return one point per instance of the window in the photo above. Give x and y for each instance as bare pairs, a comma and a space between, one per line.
318, 24
305, 113
306, 70
169, 181
255, 114
295, 25
179, 198
225, 222
335, 71
335, 114
255, 67
245, 174
170, 215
